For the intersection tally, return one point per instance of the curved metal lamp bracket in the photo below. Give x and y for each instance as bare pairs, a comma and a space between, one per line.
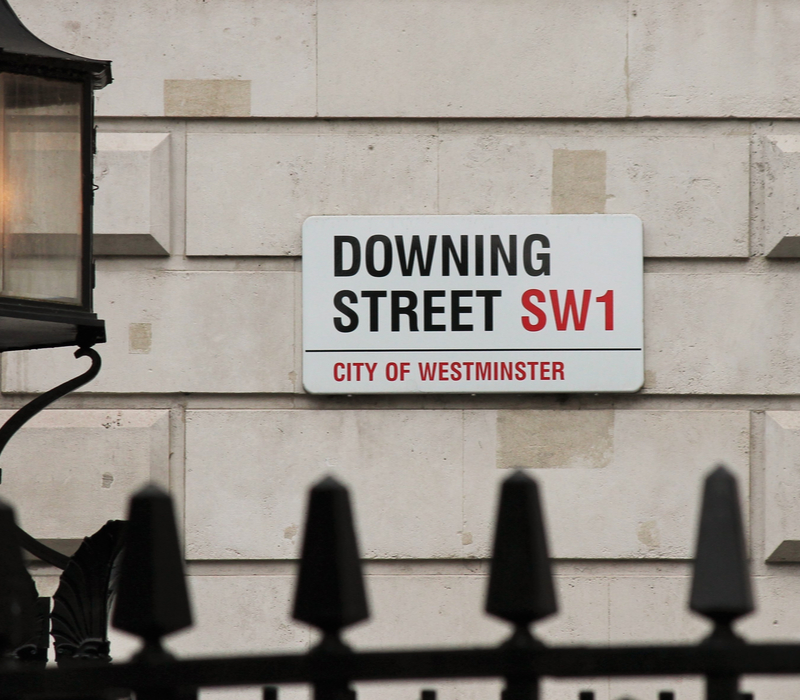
22, 416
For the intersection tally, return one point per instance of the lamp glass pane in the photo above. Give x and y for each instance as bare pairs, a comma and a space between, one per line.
40, 184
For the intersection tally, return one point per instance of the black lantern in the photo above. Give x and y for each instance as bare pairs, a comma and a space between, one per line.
46, 150
46, 190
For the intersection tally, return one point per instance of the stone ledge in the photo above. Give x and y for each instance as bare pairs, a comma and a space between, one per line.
132, 202
782, 196
782, 484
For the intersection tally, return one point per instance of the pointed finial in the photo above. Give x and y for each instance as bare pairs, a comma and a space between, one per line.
521, 583
152, 600
17, 591
721, 583
330, 591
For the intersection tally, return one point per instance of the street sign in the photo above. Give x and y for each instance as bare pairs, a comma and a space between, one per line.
472, 304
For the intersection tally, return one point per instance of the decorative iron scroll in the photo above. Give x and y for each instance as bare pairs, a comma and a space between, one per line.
83, 600
22, 416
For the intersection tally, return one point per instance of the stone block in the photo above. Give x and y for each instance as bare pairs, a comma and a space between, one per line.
241, 615
67, 472
652, 607
635, 496
555, 439
248, 194
676, 67
782, 196
491, 173
269, 44
179, 332
424, 482
690, 192
435, 608
403, 467
132, 202
782, 483
207, 98
579, 181
445, 608
722, 333
515, 59
582, 618
775, 620
583, 611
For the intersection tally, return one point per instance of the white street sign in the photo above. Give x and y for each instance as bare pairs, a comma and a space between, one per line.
468, 304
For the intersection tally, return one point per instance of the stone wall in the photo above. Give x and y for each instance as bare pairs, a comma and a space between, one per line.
231, 121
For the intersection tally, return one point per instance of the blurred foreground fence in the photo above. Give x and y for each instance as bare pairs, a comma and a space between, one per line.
152, 602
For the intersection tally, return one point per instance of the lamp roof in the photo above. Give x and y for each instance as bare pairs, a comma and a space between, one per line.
19, 43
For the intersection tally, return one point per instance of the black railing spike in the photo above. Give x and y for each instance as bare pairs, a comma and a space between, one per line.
427, 694
269, 692
18, 594
666, 695
586, 695
330, 591
721, 583
152, 600
521, 583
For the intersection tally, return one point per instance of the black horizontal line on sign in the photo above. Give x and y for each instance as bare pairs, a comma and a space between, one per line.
487, 350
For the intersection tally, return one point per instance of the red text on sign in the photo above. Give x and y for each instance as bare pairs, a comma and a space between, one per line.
490, 371
565, 309
352, 371
395, 371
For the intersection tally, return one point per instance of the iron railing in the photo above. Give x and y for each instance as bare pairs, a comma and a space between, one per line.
152, 602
